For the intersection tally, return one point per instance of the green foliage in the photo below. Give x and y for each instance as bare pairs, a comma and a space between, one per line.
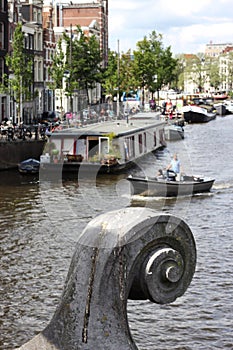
110, 76
200, 69
214, 76
83, 61
20, 66
56, 71
154, 65
150, 66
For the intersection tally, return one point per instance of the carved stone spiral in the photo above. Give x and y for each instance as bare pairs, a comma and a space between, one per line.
129, 253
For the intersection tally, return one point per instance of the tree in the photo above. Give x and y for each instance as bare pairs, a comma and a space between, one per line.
197, 70
110, 77
119, 74
179, 72
214, 76
127, 78
57, 70
83, 61
20, 66
154, 65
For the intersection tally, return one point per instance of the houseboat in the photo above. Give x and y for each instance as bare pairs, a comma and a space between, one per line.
108, 147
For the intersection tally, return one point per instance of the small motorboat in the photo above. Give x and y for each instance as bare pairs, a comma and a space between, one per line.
155, 187
173, 132
29, 166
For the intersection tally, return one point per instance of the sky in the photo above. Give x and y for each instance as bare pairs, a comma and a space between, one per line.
186, 25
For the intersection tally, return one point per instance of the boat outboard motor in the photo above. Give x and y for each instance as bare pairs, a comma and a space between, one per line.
171, 175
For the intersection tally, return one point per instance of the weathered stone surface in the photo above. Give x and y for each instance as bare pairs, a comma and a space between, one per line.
129, 253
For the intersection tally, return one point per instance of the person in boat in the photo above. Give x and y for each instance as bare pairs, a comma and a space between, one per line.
174, 168
169, 109
160, 174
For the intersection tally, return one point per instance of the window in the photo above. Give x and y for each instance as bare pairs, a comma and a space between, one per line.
140, 143
2, 6
1, 36
39, 71
145, 141
155, 140
1, 69
39, 17
34, 15
36, 71
39, 41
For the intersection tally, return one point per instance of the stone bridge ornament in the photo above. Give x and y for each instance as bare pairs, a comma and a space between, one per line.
131, 253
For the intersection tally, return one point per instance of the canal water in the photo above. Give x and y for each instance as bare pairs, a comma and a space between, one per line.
40, 222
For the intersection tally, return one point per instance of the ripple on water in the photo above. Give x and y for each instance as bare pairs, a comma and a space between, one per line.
39, 228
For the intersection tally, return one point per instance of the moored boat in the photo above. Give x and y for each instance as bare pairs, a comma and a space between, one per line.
16, 151
229, 106
18, 143
220, 108
29, 166
154, 187
108, 147
174, 132
220, 96
196, 114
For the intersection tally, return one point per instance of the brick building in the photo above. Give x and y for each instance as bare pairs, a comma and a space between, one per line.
91, 16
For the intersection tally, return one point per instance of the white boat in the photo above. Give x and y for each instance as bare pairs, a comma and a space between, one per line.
174, 132
105, 147
229, 106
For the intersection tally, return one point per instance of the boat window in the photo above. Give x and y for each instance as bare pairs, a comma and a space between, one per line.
103, 145
145, 145
155, 140
93, 148
129, 141
140, 143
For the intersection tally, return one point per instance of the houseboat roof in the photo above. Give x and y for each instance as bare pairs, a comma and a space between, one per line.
138, 123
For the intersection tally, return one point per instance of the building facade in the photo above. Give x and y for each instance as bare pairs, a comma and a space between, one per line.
43, 24
4, 42
92, 17
31, 15
49, 51
215, 50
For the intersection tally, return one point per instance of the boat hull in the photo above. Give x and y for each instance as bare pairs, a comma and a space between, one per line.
164, 188
196, 117
221, 109
14, 152
79, 168
174, 133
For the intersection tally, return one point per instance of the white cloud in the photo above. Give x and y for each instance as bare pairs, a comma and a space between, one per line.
186, 27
